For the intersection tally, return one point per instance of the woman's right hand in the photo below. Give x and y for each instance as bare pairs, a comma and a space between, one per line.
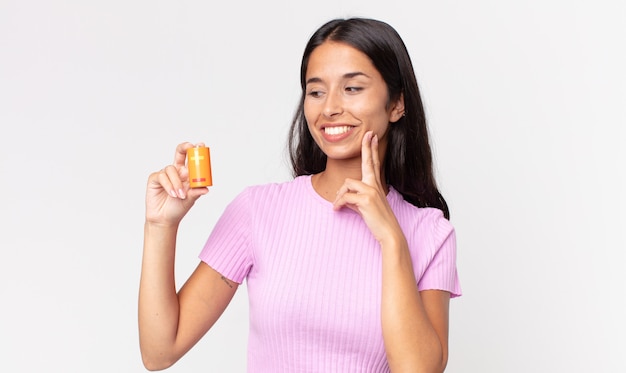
168, 196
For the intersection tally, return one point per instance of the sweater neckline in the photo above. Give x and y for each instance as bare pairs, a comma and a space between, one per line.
392, 195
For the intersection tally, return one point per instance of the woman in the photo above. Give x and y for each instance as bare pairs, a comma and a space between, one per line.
351, 265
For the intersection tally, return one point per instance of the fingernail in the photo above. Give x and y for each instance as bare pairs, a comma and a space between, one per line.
181, 194
173, 193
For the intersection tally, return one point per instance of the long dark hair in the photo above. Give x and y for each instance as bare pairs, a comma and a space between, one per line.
408, 159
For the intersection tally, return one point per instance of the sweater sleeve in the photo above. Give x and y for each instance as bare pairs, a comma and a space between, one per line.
228, 249
441, 272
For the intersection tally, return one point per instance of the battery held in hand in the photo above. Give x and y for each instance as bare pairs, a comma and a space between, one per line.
199, 165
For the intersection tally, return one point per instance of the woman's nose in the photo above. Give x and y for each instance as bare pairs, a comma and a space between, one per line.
333, 106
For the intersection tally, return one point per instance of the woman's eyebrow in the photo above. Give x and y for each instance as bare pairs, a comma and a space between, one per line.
313, 80
355, 74
345, 76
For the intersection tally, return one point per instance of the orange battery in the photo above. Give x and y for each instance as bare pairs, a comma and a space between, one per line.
199, 165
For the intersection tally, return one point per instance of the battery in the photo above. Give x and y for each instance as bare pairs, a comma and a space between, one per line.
199, 166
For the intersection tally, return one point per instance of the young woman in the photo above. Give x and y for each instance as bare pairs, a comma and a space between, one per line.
351, 265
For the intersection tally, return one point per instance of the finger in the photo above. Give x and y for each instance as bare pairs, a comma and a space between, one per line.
195, 193
349, 200
181, 153
158, 180
367, 168
175, 181
339, 197
340, 202
183, 173
376, 159
342, 190
161, 179
350, 186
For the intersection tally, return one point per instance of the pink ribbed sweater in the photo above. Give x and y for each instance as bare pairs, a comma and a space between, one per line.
314, 275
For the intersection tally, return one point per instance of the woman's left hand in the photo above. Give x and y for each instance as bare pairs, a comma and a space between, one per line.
367, 196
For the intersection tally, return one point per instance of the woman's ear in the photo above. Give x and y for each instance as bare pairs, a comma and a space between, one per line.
397, 110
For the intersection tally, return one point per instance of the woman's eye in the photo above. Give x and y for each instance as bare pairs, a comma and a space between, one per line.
353, 89
315, 93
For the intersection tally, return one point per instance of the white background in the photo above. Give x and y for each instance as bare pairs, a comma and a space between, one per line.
526, 102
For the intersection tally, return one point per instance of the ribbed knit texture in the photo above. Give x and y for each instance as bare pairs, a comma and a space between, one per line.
314, 275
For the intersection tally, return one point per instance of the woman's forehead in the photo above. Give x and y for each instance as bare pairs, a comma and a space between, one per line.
339, 60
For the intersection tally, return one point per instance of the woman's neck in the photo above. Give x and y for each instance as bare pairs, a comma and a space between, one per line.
328, 182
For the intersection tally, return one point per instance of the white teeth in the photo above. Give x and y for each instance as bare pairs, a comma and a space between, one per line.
336, 130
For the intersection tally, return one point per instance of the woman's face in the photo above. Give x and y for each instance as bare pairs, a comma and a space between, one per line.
345, 96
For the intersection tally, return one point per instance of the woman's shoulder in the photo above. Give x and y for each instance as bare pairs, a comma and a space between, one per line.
272, 191
277, 187
422, 217
426, 228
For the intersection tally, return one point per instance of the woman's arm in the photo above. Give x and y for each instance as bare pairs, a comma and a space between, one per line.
415, 324
170, 323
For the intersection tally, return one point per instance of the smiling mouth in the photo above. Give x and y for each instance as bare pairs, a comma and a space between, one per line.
338, 130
